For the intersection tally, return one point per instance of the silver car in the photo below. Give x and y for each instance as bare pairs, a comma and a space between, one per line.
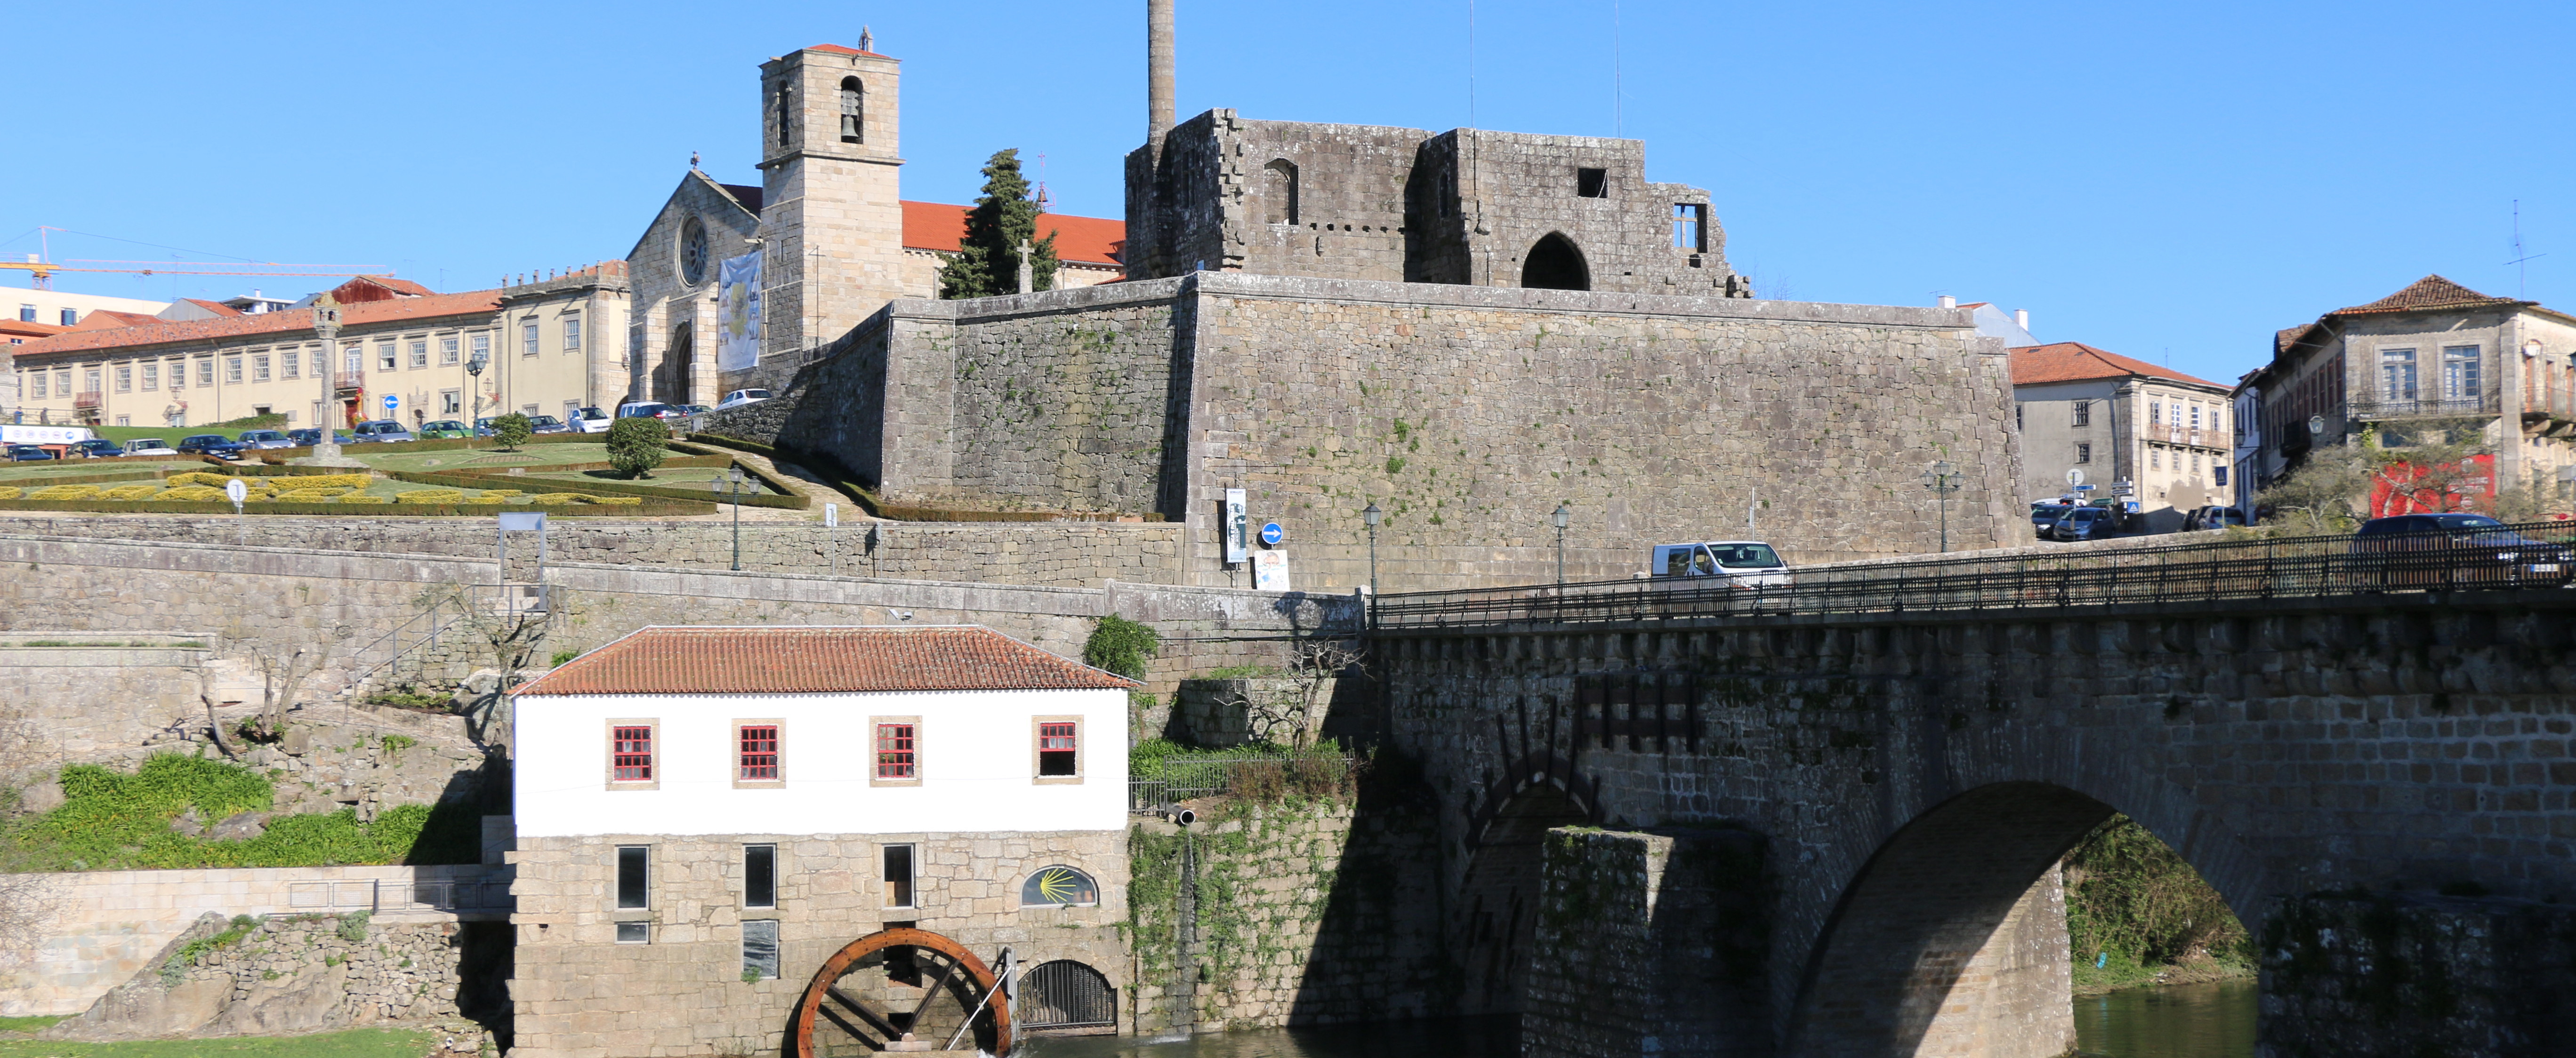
265, 439
381, 431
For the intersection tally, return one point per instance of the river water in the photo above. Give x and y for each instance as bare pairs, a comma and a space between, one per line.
2183, 1021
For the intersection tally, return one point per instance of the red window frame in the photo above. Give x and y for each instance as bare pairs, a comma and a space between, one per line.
1054, 735
756, 753
630, 753
1058, 743
898, 751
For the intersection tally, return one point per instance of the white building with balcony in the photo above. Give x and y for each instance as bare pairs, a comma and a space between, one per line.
2164, 433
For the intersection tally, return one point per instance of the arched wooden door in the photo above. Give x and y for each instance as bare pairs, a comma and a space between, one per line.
901, 985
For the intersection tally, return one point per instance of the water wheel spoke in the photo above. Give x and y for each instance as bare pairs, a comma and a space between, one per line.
866, 1011
931, 994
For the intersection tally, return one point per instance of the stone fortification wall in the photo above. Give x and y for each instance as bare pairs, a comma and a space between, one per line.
1296, 912
1045, 553
1467, 413
2376, 976
577, 993
102, 928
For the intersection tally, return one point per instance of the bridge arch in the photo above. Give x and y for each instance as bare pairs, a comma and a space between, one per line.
1945, 941
1505, 836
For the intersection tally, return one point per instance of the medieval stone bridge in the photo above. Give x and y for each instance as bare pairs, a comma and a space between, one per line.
1834, 834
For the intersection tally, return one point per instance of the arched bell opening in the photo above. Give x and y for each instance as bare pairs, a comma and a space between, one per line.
902, 989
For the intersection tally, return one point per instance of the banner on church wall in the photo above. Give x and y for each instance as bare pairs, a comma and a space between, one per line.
738, 314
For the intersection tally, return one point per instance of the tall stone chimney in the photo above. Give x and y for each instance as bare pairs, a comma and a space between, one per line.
1159, 116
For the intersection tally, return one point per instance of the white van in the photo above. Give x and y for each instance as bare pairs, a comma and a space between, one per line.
1748, 563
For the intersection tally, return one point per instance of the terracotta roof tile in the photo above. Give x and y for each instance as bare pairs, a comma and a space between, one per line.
2428, 294
22, 329
790, 660
216, 307
1088, 240
2076, 361
110, 319
163, 332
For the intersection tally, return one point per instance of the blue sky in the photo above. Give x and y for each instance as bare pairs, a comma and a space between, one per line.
2172, 181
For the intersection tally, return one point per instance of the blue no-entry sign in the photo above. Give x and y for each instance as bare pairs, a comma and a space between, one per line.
1271, 534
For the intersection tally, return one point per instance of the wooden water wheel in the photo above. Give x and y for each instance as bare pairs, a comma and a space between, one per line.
902, 990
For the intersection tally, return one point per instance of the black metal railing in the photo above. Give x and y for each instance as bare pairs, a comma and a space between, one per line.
2515, 556
1182, 778
2424, 407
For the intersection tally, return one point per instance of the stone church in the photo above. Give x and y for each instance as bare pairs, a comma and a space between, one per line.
1467, 329
730, 276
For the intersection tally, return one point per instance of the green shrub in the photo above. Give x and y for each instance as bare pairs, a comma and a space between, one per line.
1121, 646
353, 926
513, 430
637, 445
113, 821
2131, 896
562, 656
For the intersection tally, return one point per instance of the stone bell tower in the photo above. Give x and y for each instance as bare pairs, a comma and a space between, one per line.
831, 218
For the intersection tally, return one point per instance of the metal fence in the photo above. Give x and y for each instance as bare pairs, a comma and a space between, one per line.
425, 894
2516, 556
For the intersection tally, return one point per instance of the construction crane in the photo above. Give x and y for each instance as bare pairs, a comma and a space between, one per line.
43, 270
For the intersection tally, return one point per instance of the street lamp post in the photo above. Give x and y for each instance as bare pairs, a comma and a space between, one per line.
1559, 519
731, 483
474, 370
1372, 516
1943, 479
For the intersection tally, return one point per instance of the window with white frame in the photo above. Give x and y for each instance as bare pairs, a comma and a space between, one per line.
2460, 373
125, 378
232, 370
36, 385
2083, 413
385, 355
572, 332
447, 354
205, 371
2397, 374
259, 367
419, 353
528, 338
151, 375
290, 361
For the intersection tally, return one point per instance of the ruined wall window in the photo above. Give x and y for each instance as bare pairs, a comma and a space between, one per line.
630, 753
760, 876
2016, 415
1555, 264
898, 876
1279, 192
760, 948
756, 753
2083, 453
854, 98
1690, 227
898, 750
634, 877
1592, 183
2083, 413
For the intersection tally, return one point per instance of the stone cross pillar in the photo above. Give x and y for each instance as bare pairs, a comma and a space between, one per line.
326, 445
1159, 107
1028, 270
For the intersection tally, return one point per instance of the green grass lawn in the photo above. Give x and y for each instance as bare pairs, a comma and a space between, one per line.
358, 1043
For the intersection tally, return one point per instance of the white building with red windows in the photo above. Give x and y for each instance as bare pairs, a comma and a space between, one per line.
705, 814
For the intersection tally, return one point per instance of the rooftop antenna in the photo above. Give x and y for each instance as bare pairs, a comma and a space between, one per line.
1618, 90
2521, 273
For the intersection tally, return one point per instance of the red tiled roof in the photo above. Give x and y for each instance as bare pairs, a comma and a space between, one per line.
163, 332
843, 49
775, 660
25, 329
216, 307
2428, 294
1089, 240
377, 288
109, 319
2076, 361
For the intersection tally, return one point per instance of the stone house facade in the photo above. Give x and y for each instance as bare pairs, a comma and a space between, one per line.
705, 815
2119, 419
2433, 355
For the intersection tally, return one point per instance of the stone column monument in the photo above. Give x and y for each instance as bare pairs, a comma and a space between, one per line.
326, 446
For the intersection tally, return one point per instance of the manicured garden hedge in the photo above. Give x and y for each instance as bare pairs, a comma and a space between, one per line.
492, 479
379, 509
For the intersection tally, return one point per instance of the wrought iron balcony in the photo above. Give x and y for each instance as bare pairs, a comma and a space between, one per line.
2380, 408
2184, 435
349, 381
86, 400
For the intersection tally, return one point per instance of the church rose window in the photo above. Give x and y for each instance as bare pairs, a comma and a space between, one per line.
693, 252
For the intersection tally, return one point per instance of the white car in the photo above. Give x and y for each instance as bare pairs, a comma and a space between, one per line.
741, 397
150, 446
1746, 563
590, 420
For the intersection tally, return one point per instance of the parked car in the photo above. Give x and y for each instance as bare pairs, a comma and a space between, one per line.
2456, 550
149, 446
210, 444
2212, 517
645, 409
1748, 563
444, 429
379, 431
310, 436
694, 409
741, 397
28, 454
2045, 513
97, 449
591, 420
265, 439
547, 424
2081, 523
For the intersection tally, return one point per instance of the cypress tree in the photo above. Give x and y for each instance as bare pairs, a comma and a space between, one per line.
988, 262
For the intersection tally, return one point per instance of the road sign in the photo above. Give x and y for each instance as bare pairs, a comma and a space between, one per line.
2123, 488
390, 400
831, 516
2086, 488
2074, 477
1271, 534
2316, 424
235, 491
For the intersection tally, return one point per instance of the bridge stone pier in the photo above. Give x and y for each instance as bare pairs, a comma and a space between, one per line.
1837, 835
